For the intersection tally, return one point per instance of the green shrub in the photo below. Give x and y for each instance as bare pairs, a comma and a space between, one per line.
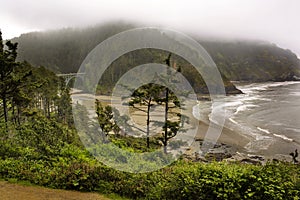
48, 154
182, 180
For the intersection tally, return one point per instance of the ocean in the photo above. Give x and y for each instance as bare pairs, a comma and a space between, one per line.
267, 113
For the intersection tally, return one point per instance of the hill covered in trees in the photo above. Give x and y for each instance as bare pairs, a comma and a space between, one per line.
64, 50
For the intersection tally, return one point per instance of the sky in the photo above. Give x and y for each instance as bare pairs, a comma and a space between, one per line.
276, 21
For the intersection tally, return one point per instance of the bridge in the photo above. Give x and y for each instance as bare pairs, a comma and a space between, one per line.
68, 77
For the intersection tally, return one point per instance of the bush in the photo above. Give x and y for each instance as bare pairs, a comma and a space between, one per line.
52, 157
182, 180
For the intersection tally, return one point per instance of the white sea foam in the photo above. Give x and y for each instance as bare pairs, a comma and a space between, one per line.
283, 137
244, 108
263, 130
252, 88
263, 137
277, 84
233, 103
196, 112
233, 121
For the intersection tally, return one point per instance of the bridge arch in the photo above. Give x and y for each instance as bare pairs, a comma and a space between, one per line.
68, 77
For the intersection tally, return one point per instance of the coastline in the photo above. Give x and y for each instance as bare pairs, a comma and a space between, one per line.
228, 144
227, 136
231, 145
231, 141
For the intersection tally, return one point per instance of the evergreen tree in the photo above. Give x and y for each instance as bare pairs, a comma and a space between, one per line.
146, 95
170, 100
105, 119
8, 83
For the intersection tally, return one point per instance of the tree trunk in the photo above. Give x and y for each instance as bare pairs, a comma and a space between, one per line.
166, 120
148, 123
5, 112
5, 109
19, 115
14, 118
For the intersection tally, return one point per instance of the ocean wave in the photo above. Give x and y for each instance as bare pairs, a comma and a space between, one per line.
254, 87
276, 135
233, 121
232, 104
263, 130
263, 137
278, 84
283, 137
244, 108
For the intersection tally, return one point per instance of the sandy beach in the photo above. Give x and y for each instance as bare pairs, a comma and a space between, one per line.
229, 137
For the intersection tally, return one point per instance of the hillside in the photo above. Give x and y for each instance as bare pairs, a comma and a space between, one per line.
64, 50
253, 61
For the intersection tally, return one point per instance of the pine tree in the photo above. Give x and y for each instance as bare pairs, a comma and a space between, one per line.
146, 96
8, 83
170, 128
105, 119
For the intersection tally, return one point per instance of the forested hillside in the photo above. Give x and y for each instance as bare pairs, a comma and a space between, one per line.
253, 61
64, 50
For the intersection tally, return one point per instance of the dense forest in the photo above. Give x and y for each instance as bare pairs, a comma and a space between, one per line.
64, 50
39, 144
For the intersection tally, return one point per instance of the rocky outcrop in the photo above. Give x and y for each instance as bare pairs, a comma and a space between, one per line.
224, 152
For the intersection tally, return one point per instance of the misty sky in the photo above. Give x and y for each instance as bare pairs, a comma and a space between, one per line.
276, 21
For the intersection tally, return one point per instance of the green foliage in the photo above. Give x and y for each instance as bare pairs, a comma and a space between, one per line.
105, 118
148, 95
45, 136
8, 82
182, 180
253, 61
45, 152
135, 144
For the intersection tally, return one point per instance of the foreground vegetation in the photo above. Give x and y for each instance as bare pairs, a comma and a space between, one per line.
66, 165
39, 144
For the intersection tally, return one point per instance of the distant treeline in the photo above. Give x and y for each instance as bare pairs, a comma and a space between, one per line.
64, 50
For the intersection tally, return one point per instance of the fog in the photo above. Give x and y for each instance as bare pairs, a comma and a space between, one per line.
270, 20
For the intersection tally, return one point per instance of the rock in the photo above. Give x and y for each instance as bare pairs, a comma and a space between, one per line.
217, 154
256, 157
247, 158
251, 161
281, 157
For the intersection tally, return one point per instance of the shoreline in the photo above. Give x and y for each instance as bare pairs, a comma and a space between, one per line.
231, 145
237, 141
227, 145
227, 136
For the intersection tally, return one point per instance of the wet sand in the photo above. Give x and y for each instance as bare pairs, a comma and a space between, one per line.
227, 136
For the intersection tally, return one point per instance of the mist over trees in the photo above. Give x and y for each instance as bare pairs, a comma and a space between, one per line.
64, 50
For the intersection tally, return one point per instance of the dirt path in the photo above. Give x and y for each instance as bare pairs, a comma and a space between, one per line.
10, 191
